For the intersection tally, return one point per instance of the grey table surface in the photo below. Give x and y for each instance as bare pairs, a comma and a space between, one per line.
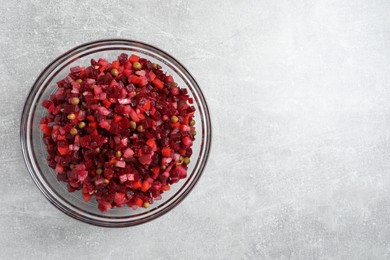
299, 93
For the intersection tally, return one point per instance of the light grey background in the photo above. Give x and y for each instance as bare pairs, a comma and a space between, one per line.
299, 93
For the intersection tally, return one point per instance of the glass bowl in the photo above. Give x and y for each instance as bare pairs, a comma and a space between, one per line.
34, 150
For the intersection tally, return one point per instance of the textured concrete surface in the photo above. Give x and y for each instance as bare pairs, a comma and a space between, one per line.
299, 93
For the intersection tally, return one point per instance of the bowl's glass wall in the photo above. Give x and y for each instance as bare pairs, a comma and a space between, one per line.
35, 152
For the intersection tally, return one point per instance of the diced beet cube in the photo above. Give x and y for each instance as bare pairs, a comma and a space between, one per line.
103, 111
119, 198
99, 181
108, 173
166, 160
82, 175
130, 177
145, 186
181, 171
133, 58
158, 83
104, 124
128, 153
166, 152
122, 178
59, 169
187, 141
122, 58
143, 81
145, 159
104, 206
120, 164
169, 79
47, 103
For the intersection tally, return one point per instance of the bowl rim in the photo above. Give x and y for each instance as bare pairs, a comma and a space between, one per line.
27, 107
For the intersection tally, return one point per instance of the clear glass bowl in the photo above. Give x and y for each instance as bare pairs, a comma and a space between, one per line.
34, 150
